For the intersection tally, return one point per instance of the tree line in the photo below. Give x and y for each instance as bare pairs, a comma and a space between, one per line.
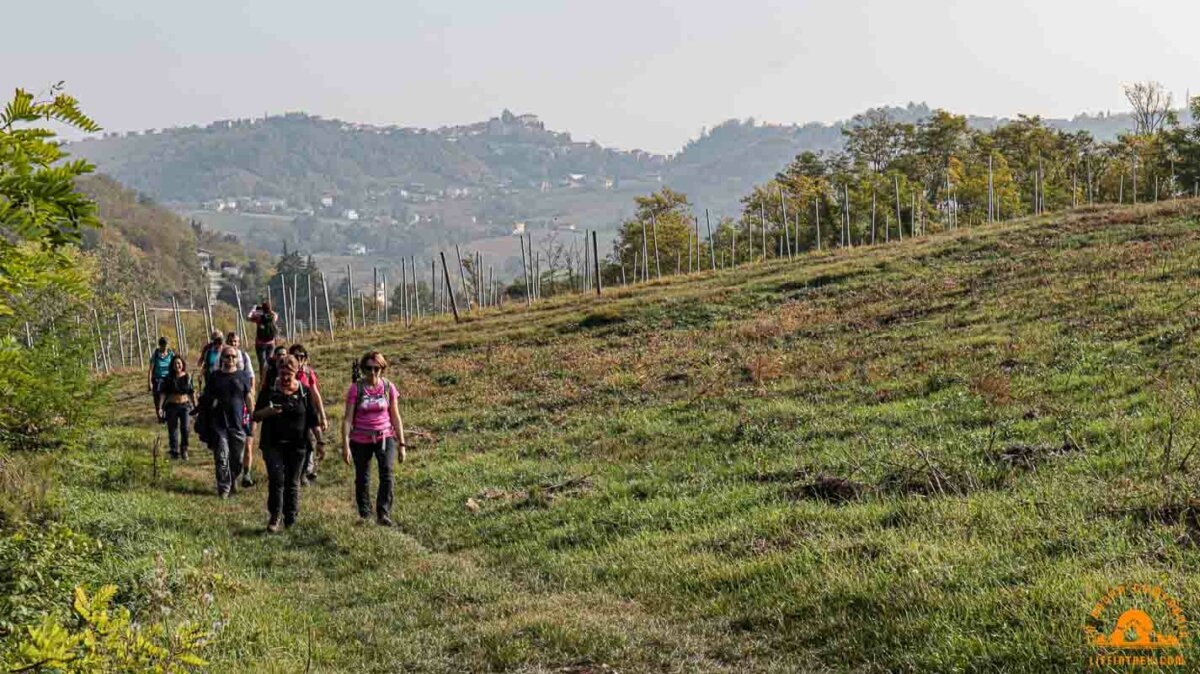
895, 179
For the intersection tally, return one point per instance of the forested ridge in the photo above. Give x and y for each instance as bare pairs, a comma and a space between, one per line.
389, 171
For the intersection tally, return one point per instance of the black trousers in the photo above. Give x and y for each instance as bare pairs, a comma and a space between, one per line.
284, 466
384, 452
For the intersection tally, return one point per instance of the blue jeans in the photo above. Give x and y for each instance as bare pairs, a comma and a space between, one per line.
177, 427
263, 351
384, 452
227, 445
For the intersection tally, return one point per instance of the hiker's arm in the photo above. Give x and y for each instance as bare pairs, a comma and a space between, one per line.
263, 412
398, 424
319, 408
346, 420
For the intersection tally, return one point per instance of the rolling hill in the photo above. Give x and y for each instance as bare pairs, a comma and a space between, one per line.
934, 456
403, 190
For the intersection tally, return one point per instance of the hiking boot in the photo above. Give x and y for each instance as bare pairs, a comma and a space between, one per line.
273, 526
363, 519
384, 521
247, 481
183, 456
223, 495
288, 523
174, 455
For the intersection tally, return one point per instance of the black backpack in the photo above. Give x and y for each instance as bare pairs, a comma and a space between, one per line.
266, 327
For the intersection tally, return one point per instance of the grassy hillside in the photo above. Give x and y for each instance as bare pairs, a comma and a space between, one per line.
144, 249
933, 456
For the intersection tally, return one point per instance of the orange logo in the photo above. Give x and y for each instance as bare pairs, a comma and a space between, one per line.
1148, 619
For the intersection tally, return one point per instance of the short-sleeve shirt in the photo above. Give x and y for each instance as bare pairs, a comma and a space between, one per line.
372, 421
308, 377
246, 363
229, 390
212, 356
162, 362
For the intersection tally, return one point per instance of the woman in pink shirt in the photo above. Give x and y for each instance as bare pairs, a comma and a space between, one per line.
372, 428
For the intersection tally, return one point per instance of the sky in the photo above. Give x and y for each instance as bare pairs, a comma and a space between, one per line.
648, 74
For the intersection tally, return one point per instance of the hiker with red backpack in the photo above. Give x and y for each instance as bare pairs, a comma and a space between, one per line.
316, 438
372, 428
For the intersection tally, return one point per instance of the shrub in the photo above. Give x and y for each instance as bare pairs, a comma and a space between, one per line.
38, 567
106, 639
47, 395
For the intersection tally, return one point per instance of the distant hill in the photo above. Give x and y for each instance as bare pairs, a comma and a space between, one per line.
396, 190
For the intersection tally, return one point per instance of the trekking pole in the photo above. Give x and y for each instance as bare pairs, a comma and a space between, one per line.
154, 455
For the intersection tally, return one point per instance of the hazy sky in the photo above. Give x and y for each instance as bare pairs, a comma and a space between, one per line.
627, 73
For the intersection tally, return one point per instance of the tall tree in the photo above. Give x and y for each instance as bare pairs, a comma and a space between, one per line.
1151, 104
38, 201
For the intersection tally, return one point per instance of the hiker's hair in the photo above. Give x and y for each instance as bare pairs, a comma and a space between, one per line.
288, 362
162, 341
297, 349
216, 336
373, 356
181, 360
230, 336
266, 305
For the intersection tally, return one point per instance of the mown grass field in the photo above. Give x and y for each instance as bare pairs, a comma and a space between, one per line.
934, 456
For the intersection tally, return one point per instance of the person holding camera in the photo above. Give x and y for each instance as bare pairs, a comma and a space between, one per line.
285, 413
372, 428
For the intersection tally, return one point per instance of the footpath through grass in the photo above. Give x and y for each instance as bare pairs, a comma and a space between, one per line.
934, 456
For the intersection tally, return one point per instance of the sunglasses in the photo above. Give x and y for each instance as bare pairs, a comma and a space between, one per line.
228, 357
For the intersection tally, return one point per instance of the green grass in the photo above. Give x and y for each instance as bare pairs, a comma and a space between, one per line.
658, 474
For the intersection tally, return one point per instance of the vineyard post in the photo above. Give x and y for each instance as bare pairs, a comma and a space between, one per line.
328, 309
120, 339
462, 275
657, 262
596, 263
787, 242
449, 289
712, 250
137, 329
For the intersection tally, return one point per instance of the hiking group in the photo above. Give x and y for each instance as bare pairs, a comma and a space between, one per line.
228, 403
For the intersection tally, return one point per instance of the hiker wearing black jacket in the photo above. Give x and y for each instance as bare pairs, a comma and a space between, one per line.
285, 412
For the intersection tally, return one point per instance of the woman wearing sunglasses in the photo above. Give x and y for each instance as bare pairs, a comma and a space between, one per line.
372, 428
227, 399
285, 412
179, 397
